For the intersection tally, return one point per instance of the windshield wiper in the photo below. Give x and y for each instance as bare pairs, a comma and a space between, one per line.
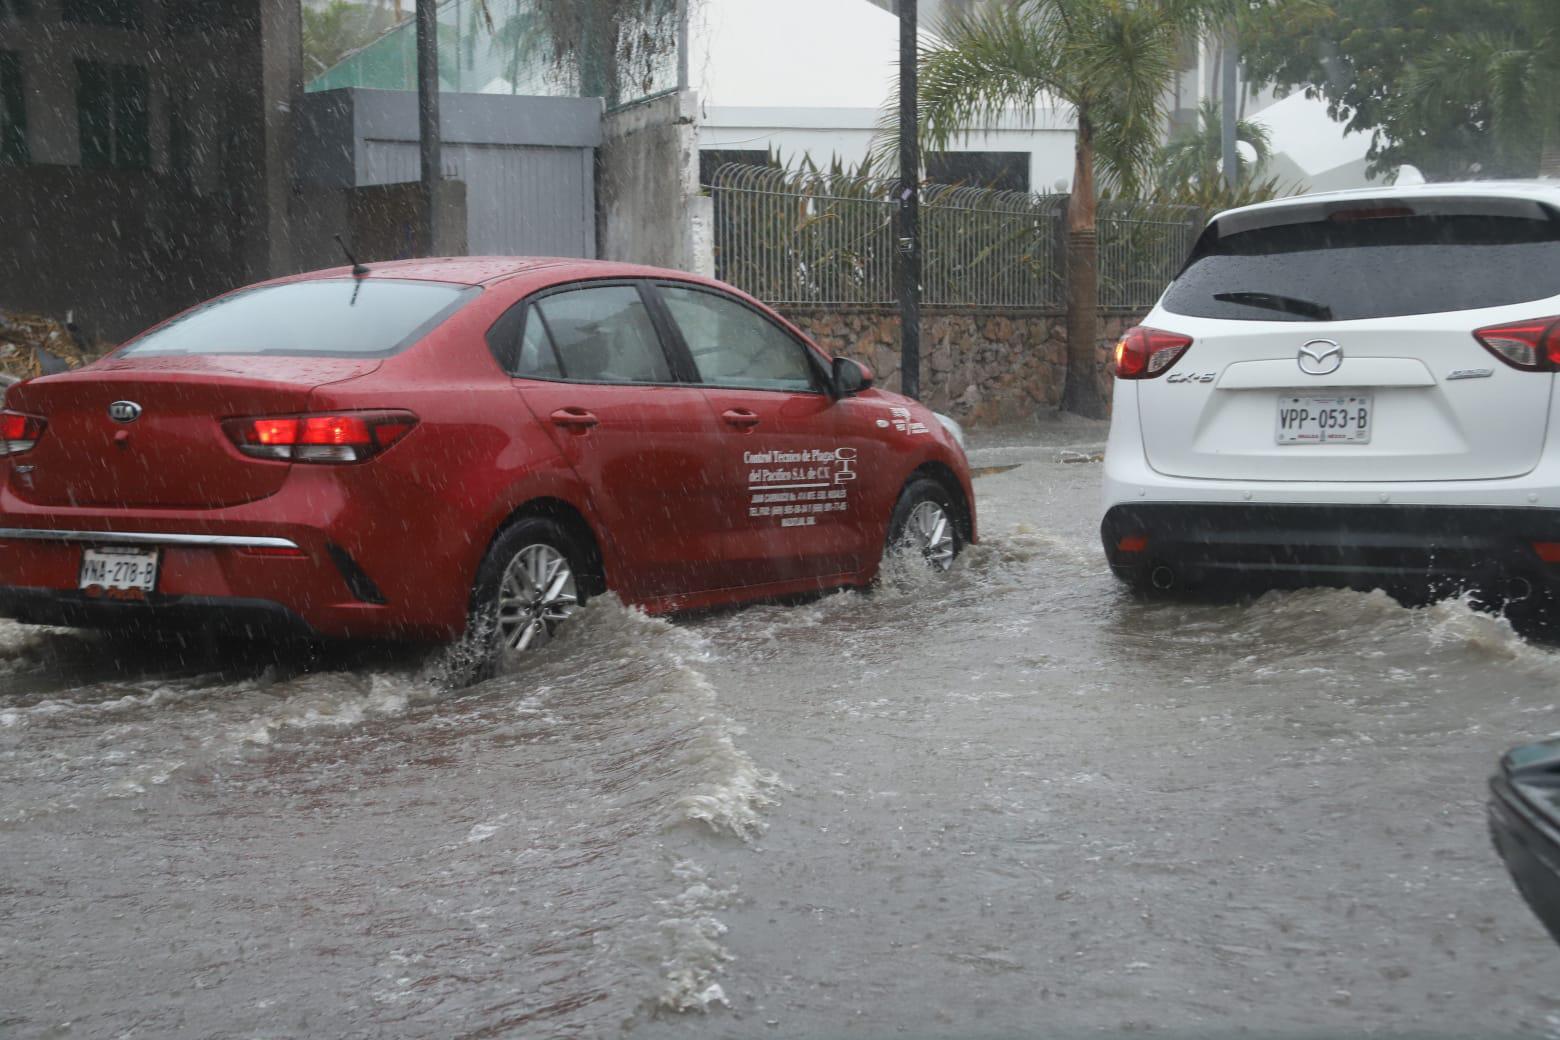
1274, 302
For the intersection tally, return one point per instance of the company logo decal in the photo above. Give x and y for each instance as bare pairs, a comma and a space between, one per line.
797, 487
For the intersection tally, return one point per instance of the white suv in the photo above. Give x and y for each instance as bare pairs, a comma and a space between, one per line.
1348, 389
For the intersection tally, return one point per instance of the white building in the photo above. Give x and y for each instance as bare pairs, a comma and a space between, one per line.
814, 76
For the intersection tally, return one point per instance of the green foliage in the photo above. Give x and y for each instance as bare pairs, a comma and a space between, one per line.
1110, 60
615, 44
338, 28
1511, 75
1360, 56
1193, 156
1212, 196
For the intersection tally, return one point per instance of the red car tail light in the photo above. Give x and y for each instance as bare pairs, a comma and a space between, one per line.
1533, 346
1549, 552
340, 437
1143, 353
18, 432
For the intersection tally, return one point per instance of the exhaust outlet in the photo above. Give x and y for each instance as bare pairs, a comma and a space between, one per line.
1162, 578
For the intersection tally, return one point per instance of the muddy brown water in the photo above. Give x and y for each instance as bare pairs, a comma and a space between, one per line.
1012, 801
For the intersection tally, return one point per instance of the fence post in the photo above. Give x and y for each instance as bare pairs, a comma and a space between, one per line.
909, 289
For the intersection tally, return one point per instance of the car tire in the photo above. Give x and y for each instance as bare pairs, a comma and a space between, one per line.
925, 522
531, 581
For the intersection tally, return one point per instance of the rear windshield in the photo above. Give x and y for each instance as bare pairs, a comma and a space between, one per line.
1371, 260
337, 317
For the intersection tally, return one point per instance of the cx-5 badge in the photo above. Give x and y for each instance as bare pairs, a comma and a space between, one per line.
124, 411
1320, 357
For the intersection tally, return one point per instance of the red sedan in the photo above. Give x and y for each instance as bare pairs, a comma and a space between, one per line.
435, 444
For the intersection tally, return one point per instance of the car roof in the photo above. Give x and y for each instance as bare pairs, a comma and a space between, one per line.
483, 270
1534, 190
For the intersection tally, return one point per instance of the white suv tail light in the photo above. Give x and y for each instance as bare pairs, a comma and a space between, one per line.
1533, 346
1143, 353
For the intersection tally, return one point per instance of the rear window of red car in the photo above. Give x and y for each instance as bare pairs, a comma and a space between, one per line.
332, 317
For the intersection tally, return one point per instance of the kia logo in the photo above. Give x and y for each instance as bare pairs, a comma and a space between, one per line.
1320, 357
124, 411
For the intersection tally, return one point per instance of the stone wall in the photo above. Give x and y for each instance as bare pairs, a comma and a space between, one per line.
978, 368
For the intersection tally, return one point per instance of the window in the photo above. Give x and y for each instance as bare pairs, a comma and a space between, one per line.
712, 159
332, 317
111, 116
733, 346
537, 356
1004, 171
599, 335
181, 17
13, 110
1342, 261
121, 14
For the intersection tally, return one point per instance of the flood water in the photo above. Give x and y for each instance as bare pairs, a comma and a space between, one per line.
1009, 801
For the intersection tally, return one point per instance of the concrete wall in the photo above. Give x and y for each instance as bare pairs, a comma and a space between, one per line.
119, 248
649, 206
981, 369
123, 248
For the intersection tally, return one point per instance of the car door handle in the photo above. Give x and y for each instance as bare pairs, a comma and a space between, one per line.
741, 418
574, 419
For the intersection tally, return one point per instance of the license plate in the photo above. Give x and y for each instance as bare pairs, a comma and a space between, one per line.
1324, 420
112, 569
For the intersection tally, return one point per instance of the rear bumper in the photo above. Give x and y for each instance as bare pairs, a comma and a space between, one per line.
1195, 544
246, 617
1530, 844
318, 555
231, 582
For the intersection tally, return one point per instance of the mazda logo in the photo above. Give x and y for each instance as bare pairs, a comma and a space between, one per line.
124, 411
1320, 357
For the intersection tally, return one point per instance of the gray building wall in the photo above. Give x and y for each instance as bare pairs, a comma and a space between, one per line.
528, 163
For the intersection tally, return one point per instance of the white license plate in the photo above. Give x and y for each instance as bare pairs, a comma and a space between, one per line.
111, 569
1325, 420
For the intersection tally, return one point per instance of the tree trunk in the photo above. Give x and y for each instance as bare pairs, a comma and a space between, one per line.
1081, 393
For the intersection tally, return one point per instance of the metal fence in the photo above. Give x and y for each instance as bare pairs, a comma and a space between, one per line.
1142, 247
819, 238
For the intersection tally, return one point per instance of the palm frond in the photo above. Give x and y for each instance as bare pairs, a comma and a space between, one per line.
988, 62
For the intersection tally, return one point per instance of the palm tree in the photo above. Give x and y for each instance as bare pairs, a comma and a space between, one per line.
1194, 155
1111, 61
1509, 76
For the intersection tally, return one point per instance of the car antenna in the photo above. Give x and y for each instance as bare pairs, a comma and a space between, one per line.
358, 270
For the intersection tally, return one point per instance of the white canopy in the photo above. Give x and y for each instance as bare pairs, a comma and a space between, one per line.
1313, 150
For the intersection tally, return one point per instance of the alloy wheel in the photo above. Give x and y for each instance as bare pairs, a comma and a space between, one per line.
929, 532
536, 595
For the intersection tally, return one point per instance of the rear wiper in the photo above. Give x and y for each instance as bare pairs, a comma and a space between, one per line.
1274, 302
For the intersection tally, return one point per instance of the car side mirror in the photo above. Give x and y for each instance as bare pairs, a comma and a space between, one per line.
850, 377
